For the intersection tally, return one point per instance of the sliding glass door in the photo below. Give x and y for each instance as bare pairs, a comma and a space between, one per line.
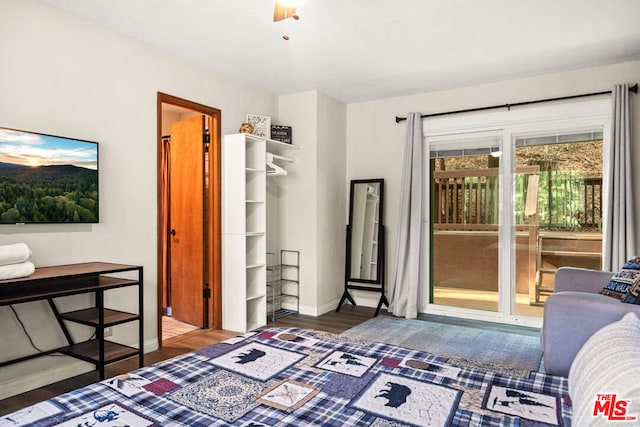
513, 196
558, 208
465, 218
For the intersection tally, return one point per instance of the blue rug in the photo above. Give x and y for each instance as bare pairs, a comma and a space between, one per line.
498, 351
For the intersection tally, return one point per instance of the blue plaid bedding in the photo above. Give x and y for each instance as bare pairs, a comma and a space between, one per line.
293, 377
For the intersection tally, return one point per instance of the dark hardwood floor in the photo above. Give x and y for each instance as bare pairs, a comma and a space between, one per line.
348, 317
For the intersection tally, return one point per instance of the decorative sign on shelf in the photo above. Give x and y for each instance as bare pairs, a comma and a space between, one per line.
261, 125
281, 133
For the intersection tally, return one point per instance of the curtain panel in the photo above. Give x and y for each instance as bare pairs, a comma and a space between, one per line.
619, 234
408, 272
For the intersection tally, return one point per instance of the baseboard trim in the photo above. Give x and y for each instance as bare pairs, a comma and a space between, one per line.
330, 306
151, 345
363, 298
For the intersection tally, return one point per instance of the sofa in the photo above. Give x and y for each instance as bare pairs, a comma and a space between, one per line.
574, 312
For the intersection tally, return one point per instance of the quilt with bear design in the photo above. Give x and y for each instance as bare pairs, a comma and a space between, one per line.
294, 377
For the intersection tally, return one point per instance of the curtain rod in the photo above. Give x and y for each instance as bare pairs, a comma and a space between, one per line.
633, 89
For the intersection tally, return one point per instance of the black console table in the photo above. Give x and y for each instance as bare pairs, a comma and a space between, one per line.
48, 283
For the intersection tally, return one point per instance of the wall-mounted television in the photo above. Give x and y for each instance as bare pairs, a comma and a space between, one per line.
47, 179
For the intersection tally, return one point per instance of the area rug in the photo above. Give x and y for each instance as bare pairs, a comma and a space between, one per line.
502, 352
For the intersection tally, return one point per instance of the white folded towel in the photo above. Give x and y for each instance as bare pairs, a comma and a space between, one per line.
14, 254
15, 271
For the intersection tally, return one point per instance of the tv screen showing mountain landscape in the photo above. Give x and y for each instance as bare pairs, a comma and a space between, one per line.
47, 179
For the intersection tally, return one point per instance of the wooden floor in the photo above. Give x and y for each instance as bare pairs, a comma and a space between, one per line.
172, 327
483, 300
348, 317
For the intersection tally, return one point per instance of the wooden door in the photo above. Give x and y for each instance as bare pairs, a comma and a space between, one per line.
187, 220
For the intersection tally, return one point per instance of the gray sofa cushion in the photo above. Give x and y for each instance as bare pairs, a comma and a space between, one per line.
574, 313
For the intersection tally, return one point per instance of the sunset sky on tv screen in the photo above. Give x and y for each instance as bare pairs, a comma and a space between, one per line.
30, 149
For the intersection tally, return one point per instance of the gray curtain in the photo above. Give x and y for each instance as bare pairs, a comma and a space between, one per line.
619, 228
408, 274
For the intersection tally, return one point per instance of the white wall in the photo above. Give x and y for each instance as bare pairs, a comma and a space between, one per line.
312, 205
332, 197
65, 76
375, 141
298, 204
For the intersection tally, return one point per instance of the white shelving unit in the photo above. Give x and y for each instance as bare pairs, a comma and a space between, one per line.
243, 233
278, 147
244, 218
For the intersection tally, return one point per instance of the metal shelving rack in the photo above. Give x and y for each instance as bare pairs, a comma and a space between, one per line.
283, 285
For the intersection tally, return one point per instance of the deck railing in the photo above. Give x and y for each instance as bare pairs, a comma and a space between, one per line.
468, 199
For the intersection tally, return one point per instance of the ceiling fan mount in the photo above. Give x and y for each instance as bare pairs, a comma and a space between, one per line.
285, 9
280, 12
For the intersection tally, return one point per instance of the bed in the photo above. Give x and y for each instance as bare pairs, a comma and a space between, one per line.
295, 377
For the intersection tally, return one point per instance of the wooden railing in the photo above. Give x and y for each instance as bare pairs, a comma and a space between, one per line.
591, 216
468, 200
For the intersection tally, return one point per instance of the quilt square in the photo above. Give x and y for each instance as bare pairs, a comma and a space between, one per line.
347, 363
288, 395
381, 422
31, 414
391, 362
224, 395
239, 338
127, 384
258, 361
408, 401
296, 338
160, 386
110, 415
533, 406
344, 386
433, 368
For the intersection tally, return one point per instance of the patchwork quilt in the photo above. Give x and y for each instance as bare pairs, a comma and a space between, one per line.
294, 377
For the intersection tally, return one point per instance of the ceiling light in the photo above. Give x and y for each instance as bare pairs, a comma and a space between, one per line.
281, 12
289, 3
285, 9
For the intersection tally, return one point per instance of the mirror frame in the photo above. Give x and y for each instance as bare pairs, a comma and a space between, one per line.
380, 252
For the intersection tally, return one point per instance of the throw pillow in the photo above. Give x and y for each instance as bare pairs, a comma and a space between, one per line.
604, 372
633, 295
625, 279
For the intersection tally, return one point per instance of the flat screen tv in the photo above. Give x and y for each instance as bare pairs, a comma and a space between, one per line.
47, 179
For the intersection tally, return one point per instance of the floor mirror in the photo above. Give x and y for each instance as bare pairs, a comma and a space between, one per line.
365, 253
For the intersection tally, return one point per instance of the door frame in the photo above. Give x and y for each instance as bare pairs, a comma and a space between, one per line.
215, 212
